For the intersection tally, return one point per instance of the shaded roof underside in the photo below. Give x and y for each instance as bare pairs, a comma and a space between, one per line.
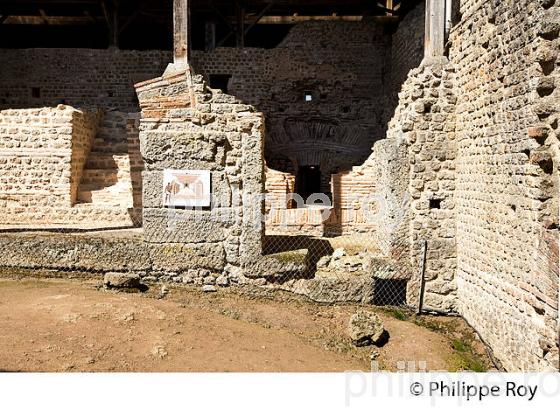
148, 23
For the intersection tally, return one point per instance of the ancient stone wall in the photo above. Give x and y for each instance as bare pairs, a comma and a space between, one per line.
42, 156
384, 208
342, 67
77, 77
278, 187
186, 125
84, 129
57, 170
356, 205
350, 88
425, 118
407, 52
506, 56
355, 208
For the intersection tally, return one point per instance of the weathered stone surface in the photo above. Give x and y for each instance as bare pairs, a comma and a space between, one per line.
99, 253
181, 130
504, 135
365, 328
335, 288
163, 225
82, 80
469, 166
338, 253
120, 280
284, 264
181, 257
222, 281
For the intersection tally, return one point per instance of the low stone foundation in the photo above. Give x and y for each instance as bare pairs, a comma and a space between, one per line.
106, 251
346, 278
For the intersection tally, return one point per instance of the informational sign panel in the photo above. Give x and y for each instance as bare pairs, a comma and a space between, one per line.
183, 188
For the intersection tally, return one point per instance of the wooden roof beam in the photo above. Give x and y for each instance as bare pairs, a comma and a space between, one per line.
295, 19
44, 16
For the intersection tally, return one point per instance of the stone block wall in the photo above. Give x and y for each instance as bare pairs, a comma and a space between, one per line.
186, 125
345, 69
345, 66
84, 130
76, 77
42, 156
407, 52
506, 56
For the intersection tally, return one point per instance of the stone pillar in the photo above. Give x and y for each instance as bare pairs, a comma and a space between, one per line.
180, 31
434, 43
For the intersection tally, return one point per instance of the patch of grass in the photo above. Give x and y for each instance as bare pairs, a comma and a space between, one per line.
459, 345
428, 324
464, 356
296, 257
399, 314
460, 362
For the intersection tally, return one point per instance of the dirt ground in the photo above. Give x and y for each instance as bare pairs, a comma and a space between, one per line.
75, 325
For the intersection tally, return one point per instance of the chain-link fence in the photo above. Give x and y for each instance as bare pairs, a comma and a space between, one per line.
362, 261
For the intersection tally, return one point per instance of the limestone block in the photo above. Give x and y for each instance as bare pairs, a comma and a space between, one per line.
183, 226
365, 328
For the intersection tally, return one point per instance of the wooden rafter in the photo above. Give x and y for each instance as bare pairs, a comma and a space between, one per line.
240, 24
44, 16
112, 20
259, 17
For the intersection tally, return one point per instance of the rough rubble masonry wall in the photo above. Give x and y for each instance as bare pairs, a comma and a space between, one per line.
344, 68
387, 169
506, 56
42, 156
186, 125
428, 125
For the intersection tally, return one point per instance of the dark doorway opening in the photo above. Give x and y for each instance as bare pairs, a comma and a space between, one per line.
308, 181
389, 292
220, 82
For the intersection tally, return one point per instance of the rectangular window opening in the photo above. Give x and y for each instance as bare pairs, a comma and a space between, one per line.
220, 82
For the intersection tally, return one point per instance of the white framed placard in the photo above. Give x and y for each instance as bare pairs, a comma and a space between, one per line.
186, 188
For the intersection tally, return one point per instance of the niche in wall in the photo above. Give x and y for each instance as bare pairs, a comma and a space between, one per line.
220, 82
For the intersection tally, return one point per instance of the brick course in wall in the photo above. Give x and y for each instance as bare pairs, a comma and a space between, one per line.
507, 177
